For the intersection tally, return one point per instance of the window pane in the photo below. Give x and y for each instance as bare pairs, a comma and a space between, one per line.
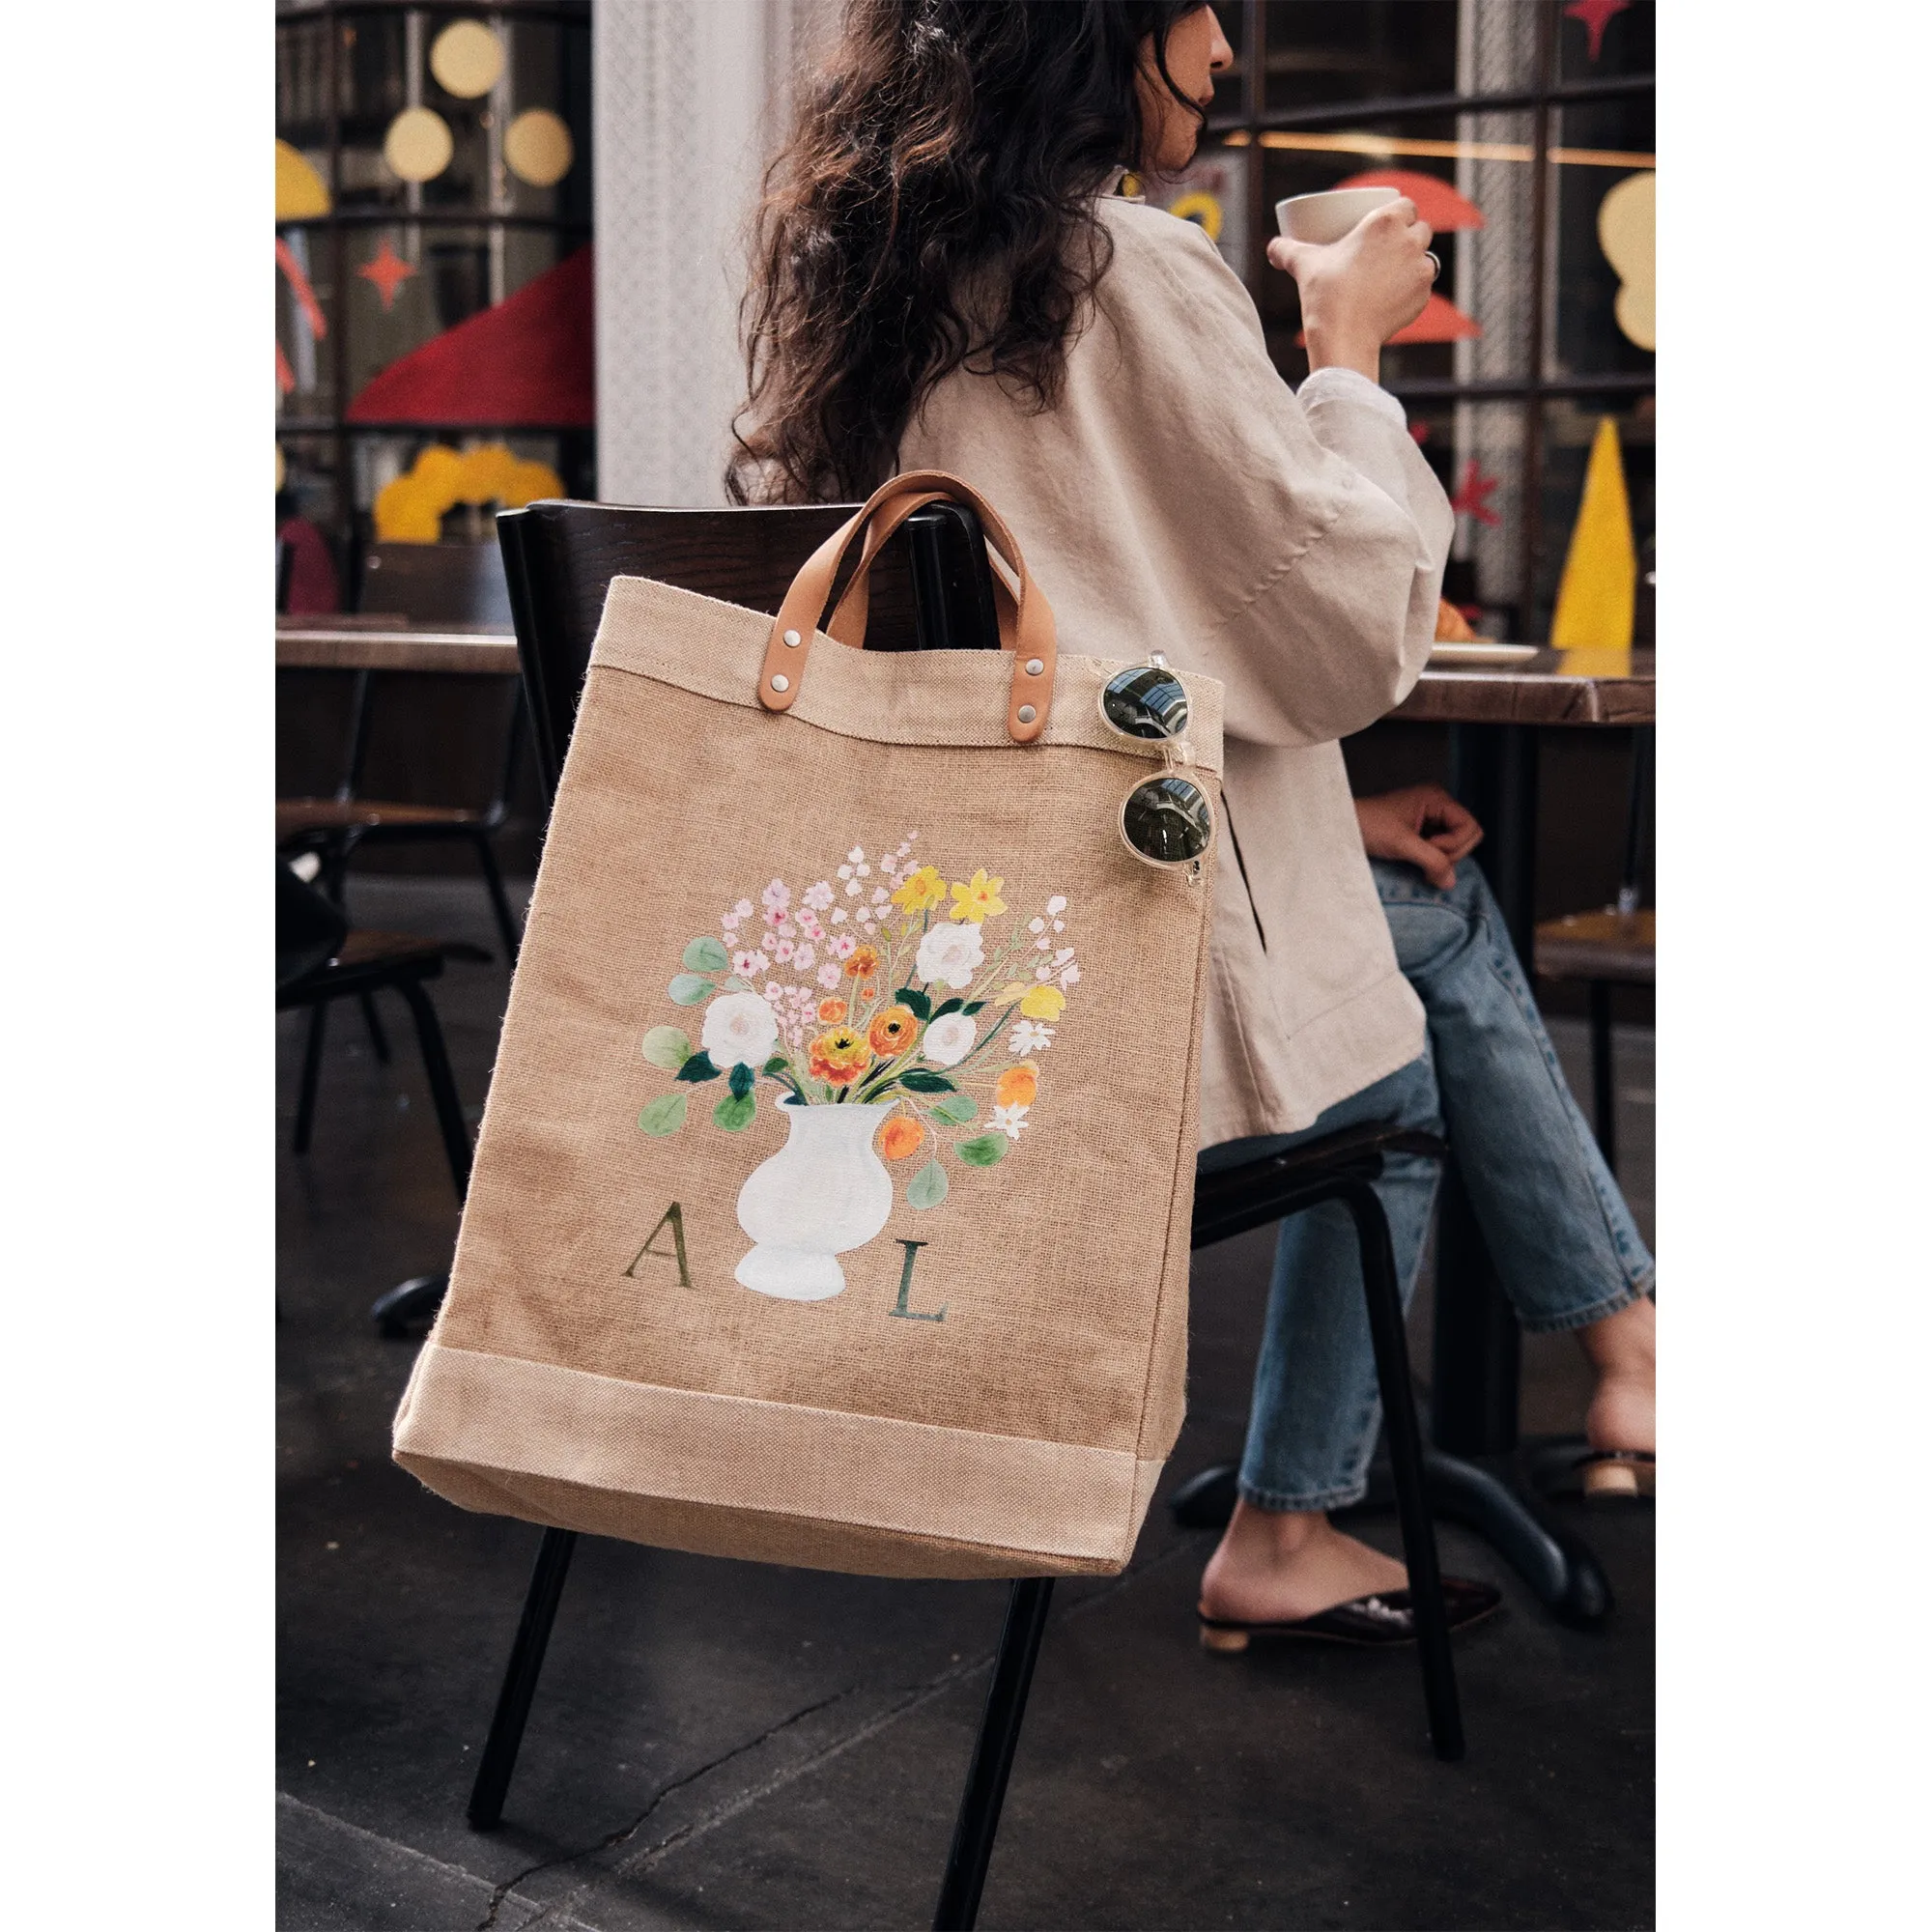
306, 373
1475, 186
1568, 430
1596, 148
1476, 450
435, 278
1321, 51
521, 146
1624, 40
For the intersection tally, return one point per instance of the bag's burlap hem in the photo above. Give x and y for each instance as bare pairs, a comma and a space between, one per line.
752, 1536
1034, 1505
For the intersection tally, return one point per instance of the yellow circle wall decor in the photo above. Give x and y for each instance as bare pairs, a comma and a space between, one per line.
537, 147
1627, 229
467, 59
418, 144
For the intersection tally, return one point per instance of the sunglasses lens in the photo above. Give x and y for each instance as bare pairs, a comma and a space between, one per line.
1146, 702
1168, 820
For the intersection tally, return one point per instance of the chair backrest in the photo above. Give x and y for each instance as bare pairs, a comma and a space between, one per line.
932, 587
437, 584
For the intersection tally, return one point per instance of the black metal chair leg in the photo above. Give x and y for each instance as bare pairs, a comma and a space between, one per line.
1603, 1072
441, 1084
520, 1680
1383, 1295
499, 900
311, 1075
993, 1756
379, 1041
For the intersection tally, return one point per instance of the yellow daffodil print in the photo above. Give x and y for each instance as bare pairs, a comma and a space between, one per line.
1042, 1003
978, 900
924, 889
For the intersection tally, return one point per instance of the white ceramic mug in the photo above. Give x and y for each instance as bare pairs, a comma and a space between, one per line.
1328, 217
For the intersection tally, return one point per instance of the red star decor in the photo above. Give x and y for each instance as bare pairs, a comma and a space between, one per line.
1596, 16
387, 270
1472, 496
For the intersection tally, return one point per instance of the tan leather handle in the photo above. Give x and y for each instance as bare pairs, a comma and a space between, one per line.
1026, 629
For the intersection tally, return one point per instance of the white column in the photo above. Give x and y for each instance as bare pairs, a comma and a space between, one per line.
687, 100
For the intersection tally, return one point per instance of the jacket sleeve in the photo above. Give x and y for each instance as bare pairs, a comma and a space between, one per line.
1310, 530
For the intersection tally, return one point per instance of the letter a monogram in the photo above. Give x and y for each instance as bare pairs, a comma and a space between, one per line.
675, 1214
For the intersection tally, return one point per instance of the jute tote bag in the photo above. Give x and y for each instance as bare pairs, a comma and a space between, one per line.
832, 1202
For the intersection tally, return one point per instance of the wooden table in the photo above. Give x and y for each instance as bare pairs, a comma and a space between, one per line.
388, 643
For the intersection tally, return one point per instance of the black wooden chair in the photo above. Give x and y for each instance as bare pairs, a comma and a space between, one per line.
931, 588
422, 584
319, 958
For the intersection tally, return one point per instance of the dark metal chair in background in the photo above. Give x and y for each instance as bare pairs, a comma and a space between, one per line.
319, 959
1614, 947
932, 589
422, 584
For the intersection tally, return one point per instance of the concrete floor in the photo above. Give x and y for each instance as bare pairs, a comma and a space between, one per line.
719, 1743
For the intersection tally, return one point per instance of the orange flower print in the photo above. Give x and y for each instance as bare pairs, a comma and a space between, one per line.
892, 1032
1018, 1086
832, 1011
863, 962
903, 1135
839, 1057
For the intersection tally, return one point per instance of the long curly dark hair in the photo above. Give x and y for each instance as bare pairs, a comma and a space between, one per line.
933, 208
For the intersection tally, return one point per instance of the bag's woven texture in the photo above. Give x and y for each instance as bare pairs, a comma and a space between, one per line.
996, 1385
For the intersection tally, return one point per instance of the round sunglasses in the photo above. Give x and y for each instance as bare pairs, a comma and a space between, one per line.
1166, 820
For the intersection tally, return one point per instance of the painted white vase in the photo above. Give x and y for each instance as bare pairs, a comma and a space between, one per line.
822, 1194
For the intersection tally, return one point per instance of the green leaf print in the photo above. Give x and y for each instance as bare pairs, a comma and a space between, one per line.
927, 1187
742, 1077
706, 956
667, 1047
688, 989
777, 1064
983, 1150
697, 1068
913, 998
955, 1110
663, 1115
919, 1081
734, 1112
950, 1007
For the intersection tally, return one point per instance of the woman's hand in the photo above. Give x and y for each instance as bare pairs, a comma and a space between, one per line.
1420, 825
1359, 290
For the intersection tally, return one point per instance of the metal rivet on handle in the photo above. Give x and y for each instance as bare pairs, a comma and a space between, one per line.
1034, 667
1028, 714
780, 682
791, 637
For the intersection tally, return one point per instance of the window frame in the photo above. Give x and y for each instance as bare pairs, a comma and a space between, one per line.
1546, 93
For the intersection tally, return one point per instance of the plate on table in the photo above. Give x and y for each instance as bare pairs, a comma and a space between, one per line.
1482, 651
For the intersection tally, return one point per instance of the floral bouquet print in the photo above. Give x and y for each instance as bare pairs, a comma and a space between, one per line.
915, 1005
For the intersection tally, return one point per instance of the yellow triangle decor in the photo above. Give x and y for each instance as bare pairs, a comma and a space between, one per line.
299, 191
1595, 602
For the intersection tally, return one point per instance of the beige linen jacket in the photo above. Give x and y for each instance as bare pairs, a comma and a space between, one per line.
1179, 496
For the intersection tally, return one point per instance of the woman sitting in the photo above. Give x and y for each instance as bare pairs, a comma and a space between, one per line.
947, 278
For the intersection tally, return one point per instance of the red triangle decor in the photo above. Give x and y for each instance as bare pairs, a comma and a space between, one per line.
1435, 201
1441, 321
529, 361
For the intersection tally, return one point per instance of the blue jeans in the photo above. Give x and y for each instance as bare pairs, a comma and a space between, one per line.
1562, 1238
